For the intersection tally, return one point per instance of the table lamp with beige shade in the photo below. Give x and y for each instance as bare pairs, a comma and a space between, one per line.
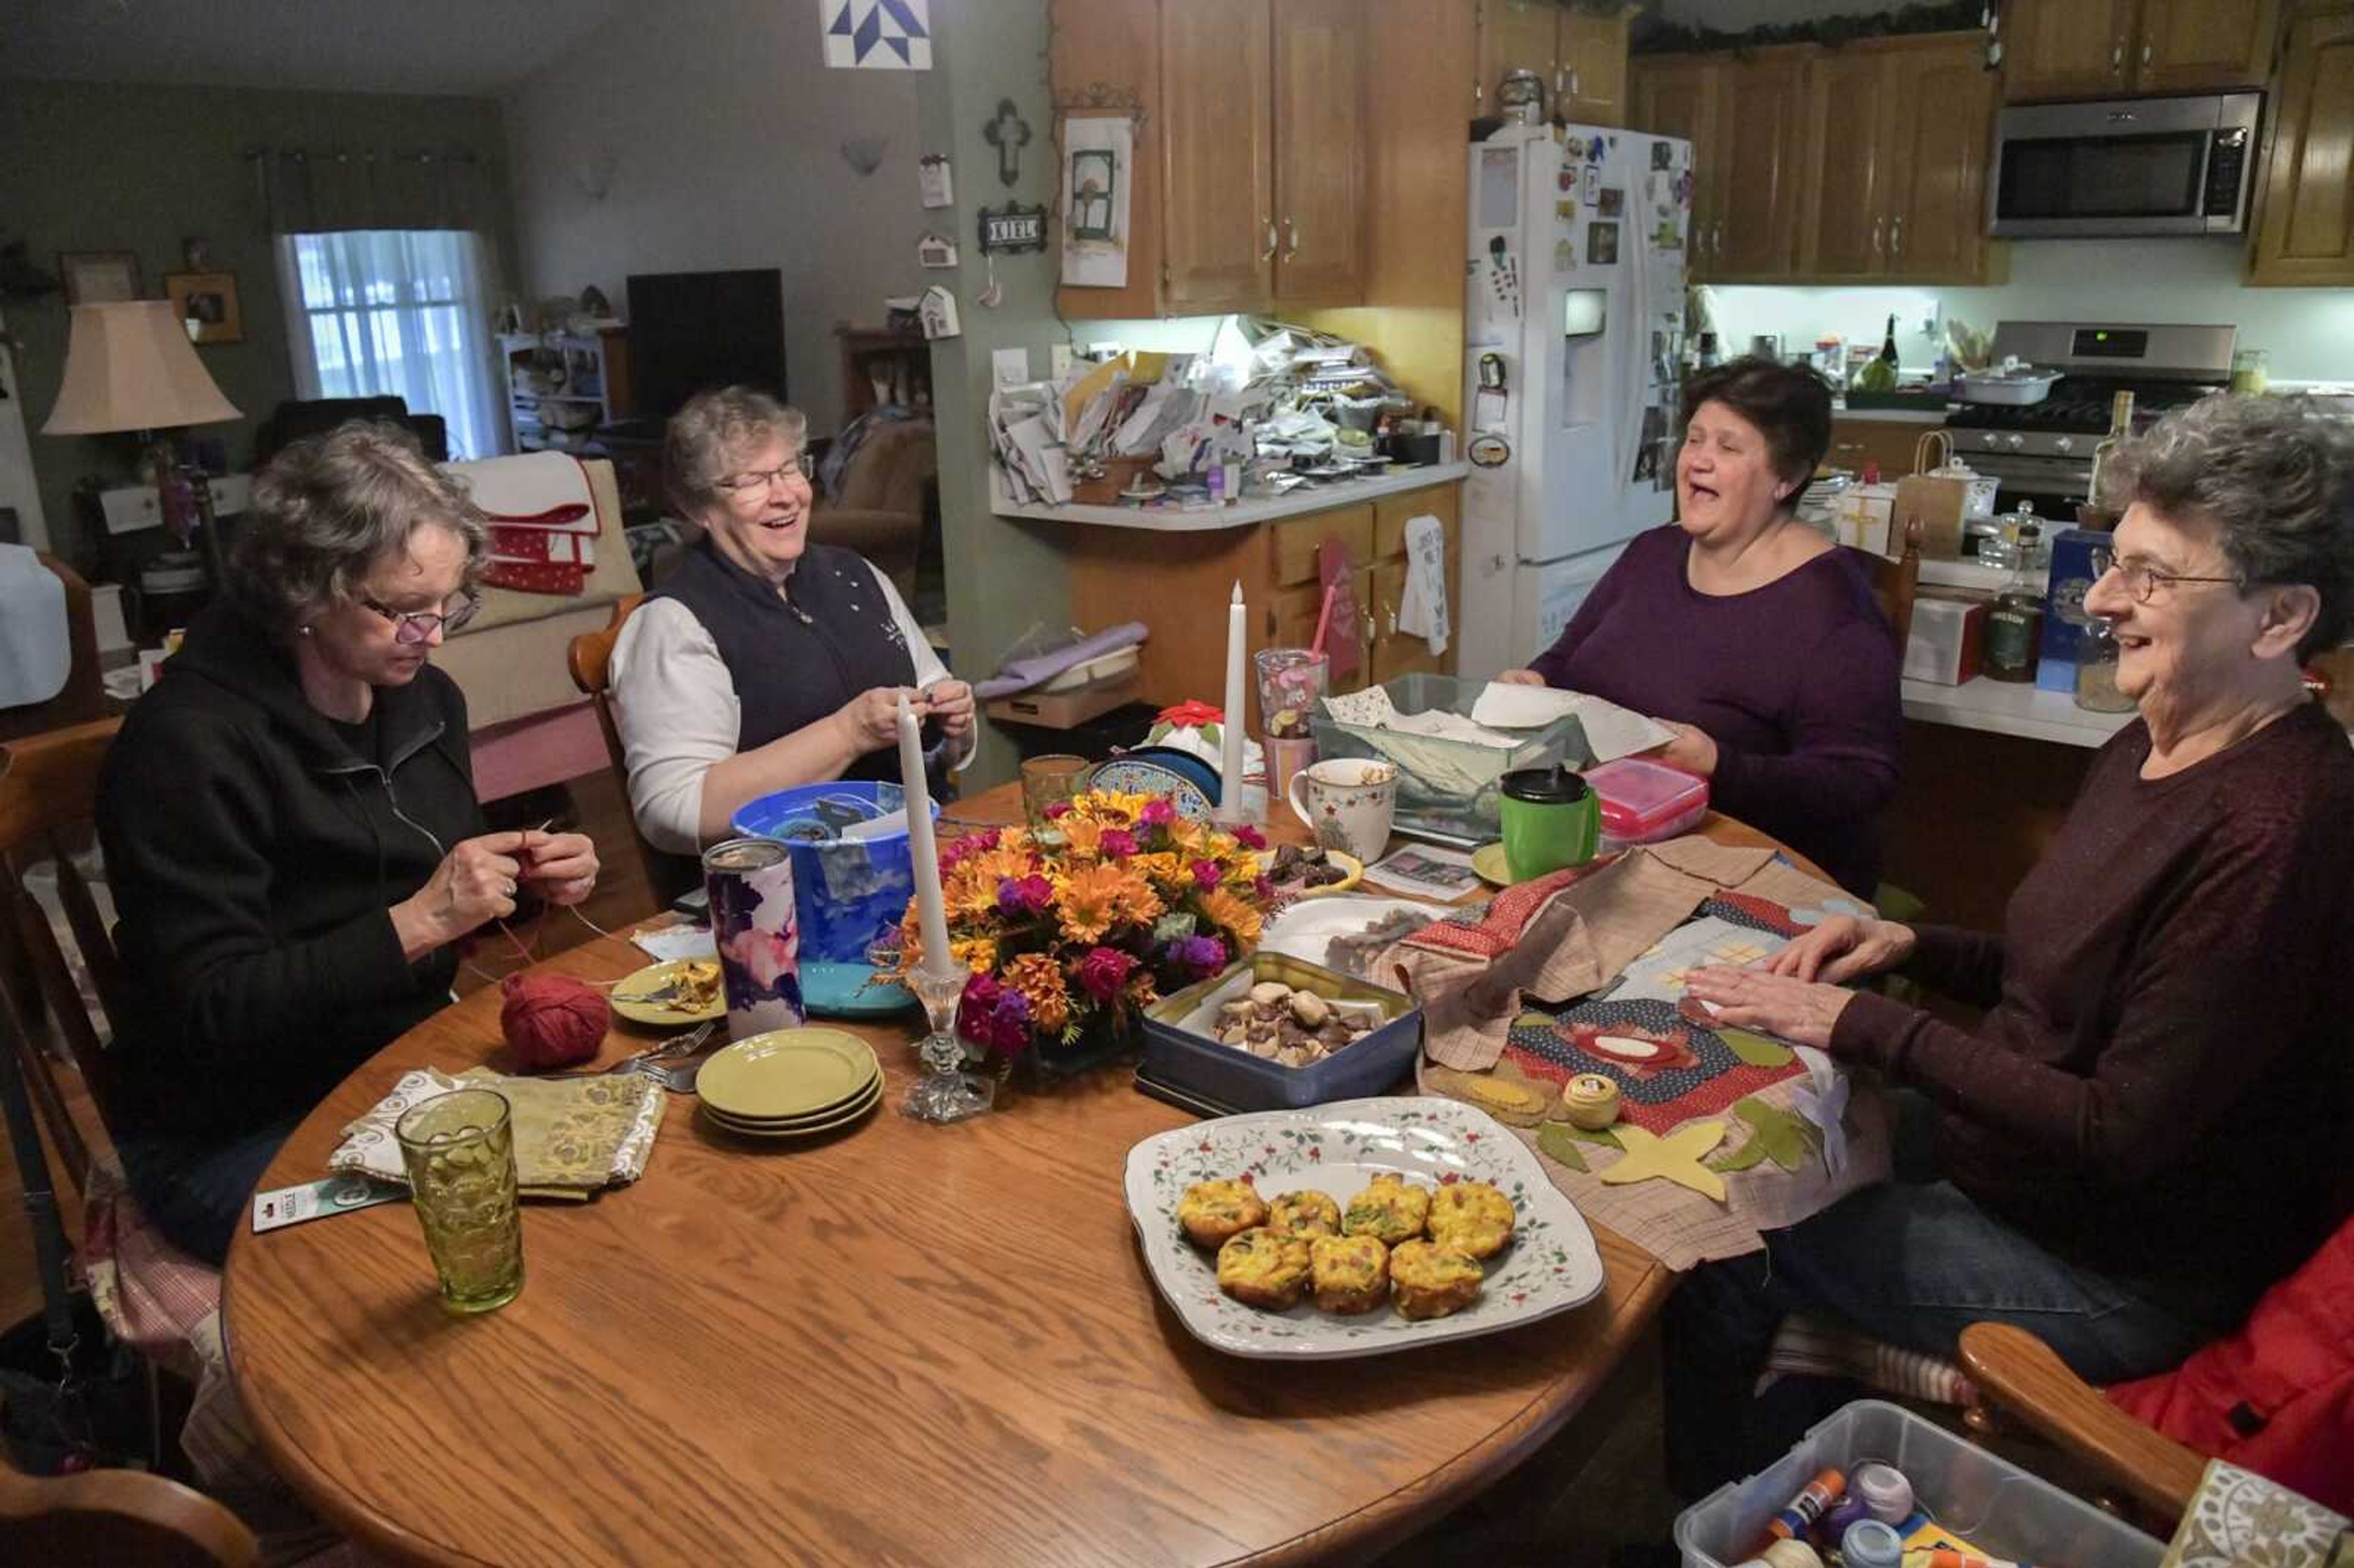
130, 366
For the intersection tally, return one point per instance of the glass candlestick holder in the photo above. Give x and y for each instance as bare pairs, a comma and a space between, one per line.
946, 1092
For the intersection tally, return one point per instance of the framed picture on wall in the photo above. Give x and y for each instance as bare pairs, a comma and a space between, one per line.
207, 303
98, 277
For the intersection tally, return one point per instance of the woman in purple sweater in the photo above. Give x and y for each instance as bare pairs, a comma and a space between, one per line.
1753, 638
2137, 1139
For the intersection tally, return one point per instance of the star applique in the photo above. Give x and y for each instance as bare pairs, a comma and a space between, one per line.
1675, 1157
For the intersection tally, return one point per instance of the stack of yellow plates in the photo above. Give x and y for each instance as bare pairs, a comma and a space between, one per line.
791, 1083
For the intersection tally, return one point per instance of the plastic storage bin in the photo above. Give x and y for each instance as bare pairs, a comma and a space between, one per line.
1644, 801
1196, 1062
1447, 789
1991, 1503
847, 891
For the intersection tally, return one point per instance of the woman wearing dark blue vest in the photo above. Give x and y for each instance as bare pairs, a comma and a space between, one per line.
765, 660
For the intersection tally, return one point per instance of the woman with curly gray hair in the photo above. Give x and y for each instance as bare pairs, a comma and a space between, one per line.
2116, 1141
290, 828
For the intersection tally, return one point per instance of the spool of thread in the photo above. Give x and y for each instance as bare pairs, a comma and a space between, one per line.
1848, 1511
551, 1021
1790, 1554
1591, 1101
1870, 1543
1814, 1500
1885, 1491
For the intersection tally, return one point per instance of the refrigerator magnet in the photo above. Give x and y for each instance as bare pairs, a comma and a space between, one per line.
1490, 452
1602, 244
1612, 203
1590, 190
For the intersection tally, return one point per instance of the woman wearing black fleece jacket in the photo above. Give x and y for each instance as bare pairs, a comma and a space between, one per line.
291, 830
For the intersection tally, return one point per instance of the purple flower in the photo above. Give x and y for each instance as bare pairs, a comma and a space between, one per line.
1118, 844
1158, 813
1103, 971
1200, 955
1021, 895
1206, 875
1251, 836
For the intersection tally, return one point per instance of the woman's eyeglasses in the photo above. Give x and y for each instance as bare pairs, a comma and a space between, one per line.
804, 466
2142, 579
414, 626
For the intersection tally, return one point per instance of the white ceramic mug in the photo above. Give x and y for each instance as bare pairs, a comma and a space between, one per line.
1346, 802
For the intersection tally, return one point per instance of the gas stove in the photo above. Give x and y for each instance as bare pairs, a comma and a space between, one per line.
2043, 452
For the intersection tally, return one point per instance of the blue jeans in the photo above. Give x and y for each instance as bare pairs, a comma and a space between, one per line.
197, 1191
1911, 1263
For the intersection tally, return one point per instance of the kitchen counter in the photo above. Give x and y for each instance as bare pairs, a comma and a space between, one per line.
2002, 707
1243, 514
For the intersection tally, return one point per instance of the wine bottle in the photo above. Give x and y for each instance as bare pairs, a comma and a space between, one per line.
2120, 426
1888, 349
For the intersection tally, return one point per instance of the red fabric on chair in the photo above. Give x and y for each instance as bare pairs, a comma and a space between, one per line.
2277, 1397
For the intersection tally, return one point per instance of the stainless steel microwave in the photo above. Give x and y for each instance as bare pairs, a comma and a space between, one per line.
2131, 166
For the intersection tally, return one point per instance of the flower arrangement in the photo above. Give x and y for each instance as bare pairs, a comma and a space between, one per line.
1088, 922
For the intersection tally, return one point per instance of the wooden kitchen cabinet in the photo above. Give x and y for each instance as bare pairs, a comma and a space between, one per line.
2305, 218
1580, 56
1217, 106
1760, 133
1887, 444
1675, 95
2106, 48
1319, 139
1898, 133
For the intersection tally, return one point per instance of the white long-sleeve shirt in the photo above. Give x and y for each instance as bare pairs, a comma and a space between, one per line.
676, 707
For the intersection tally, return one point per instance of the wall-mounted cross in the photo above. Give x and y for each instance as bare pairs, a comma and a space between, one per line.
1009, 133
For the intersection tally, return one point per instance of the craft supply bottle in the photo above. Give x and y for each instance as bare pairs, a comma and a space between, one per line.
1799, 1514
1870, 1543
1885, 1491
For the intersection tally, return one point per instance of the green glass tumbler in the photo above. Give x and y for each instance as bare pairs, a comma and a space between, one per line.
459, 1151
1551, 819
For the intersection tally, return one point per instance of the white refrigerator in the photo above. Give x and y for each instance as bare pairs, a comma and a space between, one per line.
1573, 354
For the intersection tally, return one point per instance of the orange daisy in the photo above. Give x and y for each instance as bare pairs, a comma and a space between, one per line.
1040, 979
1232, 913
1088, 898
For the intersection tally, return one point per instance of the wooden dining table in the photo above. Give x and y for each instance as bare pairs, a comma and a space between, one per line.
903, 1343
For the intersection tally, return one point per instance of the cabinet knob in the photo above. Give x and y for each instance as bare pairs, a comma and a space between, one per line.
1290, 240
1716, 239
1269, 254
2118, 58
2144, 56
1897, 236
1877, 250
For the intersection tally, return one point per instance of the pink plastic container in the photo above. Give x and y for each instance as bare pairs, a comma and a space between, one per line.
1643, 801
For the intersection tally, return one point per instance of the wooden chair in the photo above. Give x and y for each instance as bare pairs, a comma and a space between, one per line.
2030, 1382
590, 660
101, 1518
1894, 581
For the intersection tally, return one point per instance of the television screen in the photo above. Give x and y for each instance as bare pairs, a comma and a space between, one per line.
689, 331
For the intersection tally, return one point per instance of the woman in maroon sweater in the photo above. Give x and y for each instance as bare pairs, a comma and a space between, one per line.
2142, 1133
1753, 638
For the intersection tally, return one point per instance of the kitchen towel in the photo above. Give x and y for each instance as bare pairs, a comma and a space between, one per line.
35, 655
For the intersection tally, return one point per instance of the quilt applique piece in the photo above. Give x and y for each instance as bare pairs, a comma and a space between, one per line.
1755, 1050
1822, 1100
1675, 1157
1557, 1141
1774, 1134
1669, 1069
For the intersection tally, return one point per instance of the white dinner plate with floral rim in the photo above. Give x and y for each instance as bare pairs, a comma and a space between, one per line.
1551, 1266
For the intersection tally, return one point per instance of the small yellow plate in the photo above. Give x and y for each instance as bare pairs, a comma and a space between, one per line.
786, 1073
1341, 858
631, 995
1489, 861
803, 1126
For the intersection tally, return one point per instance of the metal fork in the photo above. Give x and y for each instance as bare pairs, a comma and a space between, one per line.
677, 1046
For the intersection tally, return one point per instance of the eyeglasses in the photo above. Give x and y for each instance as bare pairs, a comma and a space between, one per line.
2142, 579
414, 626
804, 465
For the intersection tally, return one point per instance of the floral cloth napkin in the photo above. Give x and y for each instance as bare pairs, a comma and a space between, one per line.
572, 1136
2239, 1520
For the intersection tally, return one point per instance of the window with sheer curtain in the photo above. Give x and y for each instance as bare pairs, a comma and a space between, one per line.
399, 312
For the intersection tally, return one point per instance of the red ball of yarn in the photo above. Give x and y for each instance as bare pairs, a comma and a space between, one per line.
552, 1021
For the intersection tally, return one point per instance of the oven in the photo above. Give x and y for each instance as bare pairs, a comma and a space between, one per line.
2127, 166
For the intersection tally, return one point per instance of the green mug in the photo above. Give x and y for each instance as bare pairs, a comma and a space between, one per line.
1551, 819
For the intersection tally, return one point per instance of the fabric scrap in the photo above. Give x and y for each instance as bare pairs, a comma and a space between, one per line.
1675, 1157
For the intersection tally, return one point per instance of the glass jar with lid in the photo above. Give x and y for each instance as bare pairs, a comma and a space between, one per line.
2096, 670
2251, 371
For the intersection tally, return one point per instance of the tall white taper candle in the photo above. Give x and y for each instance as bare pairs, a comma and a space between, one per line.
931, 909
1230, 734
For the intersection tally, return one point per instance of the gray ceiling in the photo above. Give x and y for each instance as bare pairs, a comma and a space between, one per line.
471, 47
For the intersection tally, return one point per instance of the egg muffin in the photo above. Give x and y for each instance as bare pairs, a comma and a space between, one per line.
1304, 1213
1211, 1212
1352, 1274
1260, 1268
1390, 1211
1472, 1217
1431, 1280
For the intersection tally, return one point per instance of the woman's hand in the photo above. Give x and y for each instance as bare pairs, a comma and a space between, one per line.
870, 721
950, 702
1794, 1010
1692, 749
561, 867
1843, 949
475, 882
1520, 678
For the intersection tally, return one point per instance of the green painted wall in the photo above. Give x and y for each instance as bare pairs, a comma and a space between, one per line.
1002, 574
105, 166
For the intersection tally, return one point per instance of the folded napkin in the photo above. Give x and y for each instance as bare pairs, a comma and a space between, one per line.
572, 1136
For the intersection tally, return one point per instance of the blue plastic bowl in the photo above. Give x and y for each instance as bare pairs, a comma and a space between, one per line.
846, 892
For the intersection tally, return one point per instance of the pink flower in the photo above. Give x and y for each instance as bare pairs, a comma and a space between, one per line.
1263, 887
1117, 843
1251, 836
1103, 971
1019, 895
1058, 809
1206, 875
1158, 813
964, 844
